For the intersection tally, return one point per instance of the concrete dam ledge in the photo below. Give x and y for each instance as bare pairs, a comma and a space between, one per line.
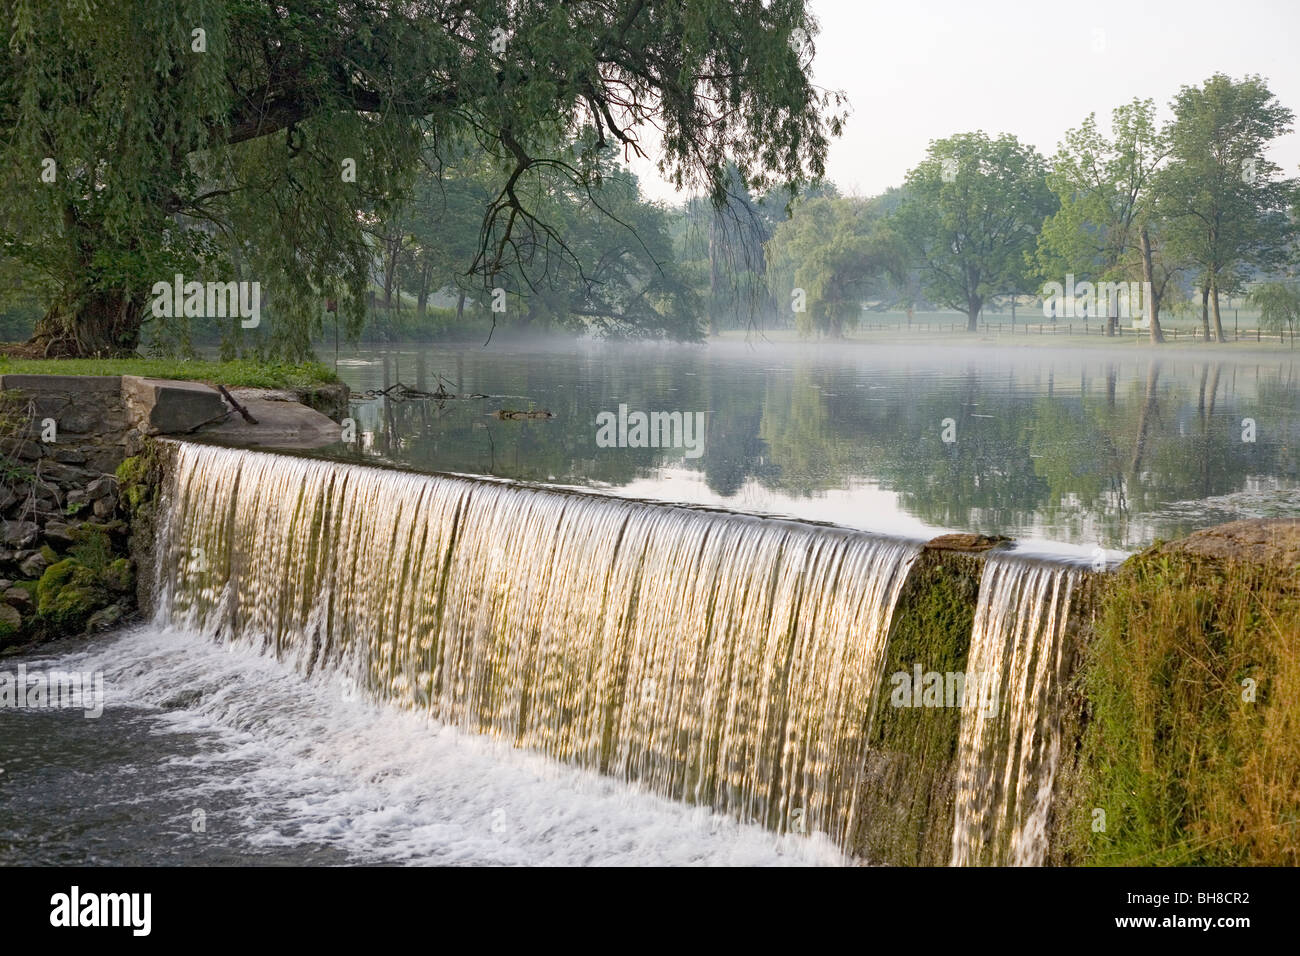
108, 405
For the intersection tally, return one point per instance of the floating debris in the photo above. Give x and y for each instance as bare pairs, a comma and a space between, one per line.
511, 414
400, 392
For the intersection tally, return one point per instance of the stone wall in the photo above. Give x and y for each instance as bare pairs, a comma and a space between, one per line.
66, 562
62, 538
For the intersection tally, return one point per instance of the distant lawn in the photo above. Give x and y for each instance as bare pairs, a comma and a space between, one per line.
242, 372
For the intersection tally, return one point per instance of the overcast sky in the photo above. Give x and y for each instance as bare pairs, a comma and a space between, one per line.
922, 70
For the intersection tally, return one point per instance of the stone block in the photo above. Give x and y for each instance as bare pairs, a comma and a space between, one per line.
162, 407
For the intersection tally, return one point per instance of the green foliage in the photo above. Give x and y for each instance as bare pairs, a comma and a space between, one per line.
1105, 187
1279, 305
838, 252
230, 162
970, 215
1224, 201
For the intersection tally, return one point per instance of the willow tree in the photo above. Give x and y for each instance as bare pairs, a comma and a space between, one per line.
226, 139
830, 256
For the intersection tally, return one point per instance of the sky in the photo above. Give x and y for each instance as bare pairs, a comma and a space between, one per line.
919, 70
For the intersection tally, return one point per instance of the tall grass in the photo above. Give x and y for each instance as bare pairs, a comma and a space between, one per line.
1188, 768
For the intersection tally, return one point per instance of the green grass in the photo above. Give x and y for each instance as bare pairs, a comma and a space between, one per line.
243, 372
1193, 747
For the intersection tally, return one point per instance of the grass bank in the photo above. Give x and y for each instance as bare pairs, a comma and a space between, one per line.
1192, 752
243, 372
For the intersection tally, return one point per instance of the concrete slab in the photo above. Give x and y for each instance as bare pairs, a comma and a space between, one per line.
165, 407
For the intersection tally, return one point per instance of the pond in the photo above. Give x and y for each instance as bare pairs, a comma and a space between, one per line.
1085, 448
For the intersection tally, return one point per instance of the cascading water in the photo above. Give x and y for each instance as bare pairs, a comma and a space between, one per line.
720, 659
1007, 753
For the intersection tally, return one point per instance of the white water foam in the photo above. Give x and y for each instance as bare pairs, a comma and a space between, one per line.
310, 760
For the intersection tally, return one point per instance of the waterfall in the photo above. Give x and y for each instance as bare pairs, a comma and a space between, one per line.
720, 659
1007, 753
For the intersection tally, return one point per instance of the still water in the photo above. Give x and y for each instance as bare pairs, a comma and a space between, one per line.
1083, 448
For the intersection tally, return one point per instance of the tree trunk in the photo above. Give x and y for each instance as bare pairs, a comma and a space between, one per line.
101, 323
422, 299
1153, 301
1218, 321
715, 273
1205, 310
460, 307
394, 254
973, 315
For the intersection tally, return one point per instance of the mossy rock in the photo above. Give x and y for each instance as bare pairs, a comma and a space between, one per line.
907, 799
137, 479
11, 624
120, 576
67, 594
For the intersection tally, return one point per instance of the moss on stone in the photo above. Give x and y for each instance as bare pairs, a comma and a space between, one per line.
907, 799
137, 479
73, 589
11, 624
66, 595
140, 479
119, 576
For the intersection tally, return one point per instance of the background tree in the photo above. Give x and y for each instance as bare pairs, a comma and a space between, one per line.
1279, 306
1102, 230
1225, 201
971, 215
838, 251
724, 245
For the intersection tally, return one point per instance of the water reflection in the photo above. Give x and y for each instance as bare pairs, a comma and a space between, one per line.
1084, 448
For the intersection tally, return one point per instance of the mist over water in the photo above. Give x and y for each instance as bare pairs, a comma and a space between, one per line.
1110, 448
